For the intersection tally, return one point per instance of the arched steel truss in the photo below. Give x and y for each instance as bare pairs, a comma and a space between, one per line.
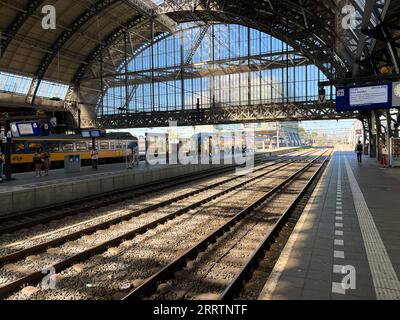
18, 22
97, 8
309, 26
229, 115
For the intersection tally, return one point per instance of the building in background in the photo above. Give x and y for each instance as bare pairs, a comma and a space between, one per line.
356, 133
267, 135
275, 135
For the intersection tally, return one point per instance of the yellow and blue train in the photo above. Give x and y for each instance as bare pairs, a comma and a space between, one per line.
111, 148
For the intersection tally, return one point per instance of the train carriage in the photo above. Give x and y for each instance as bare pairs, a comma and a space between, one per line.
112, 149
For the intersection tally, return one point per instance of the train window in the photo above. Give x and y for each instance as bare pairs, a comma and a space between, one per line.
68, 147
81, 146
34, 146
19, 147
53, 147
112, 145
104, 145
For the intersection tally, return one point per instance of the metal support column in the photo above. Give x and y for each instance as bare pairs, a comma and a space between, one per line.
372, 135
182, 71
152, 67
249, 66
378, 134
212, 87
8, 151
389, 131
126, 73
365, 138
146, 147
101, 84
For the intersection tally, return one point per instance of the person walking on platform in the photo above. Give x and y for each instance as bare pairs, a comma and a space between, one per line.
359, 150
46, 162
2, 160
95, 158
37, 162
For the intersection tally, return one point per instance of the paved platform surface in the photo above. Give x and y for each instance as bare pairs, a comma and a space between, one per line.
347, 242
29, 179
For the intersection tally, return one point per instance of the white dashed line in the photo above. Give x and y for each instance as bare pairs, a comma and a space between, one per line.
339, 242
338, 288
338, 269
338, 254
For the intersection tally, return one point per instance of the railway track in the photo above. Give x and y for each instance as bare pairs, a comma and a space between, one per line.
148, 221
14, 222
27, 219
217, 266
16, 249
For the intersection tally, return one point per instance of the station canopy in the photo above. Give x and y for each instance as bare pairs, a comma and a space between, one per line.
39, 63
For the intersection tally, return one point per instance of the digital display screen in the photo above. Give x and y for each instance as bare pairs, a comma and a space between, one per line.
369, 95
95, 134
85, 134
365, 97
25, 129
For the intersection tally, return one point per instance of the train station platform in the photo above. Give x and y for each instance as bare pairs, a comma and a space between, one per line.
27, 192
346, 243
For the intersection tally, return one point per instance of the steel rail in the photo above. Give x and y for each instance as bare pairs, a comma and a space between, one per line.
15, 256
25, 214
149, 188
150, 285
252, 263
36, 276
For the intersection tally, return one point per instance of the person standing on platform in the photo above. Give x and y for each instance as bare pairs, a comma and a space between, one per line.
359, 150
135, 155
2, 160
129, 159
46, 162
95, 158
37, 162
